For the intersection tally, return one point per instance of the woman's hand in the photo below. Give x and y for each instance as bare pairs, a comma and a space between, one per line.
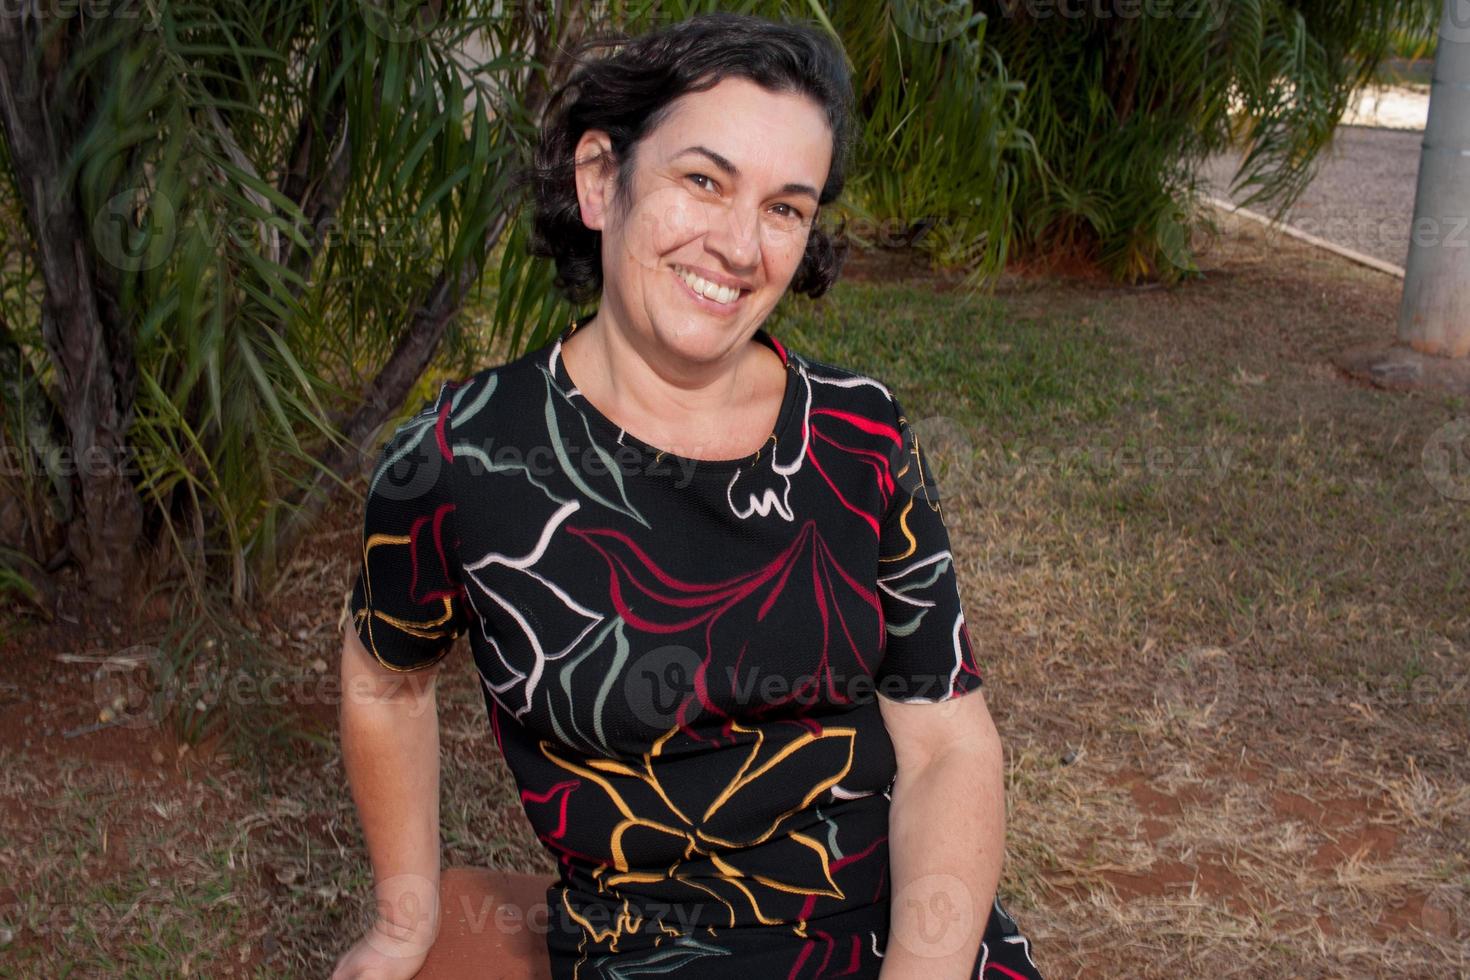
390, 750
384, 953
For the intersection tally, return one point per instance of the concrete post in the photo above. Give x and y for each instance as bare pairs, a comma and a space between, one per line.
1434, 317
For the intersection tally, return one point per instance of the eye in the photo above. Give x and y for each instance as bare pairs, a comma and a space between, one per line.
791, 212
698, 177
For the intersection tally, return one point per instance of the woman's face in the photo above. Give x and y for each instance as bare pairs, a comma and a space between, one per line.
724, 189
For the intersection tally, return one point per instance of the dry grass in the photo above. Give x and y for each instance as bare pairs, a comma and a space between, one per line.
113, 872
1259, 671
1234, 692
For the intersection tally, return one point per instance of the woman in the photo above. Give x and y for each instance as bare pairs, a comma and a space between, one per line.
706, 580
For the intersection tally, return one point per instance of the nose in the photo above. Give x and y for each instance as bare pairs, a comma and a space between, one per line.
734, 235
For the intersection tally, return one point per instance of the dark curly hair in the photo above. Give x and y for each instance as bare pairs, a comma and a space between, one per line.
629, 93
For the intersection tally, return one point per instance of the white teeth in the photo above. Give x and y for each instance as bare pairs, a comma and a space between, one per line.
720, 294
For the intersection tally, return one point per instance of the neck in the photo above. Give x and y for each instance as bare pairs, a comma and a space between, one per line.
646, 383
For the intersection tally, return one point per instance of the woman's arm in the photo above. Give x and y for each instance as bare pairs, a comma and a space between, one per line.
946, 833
390, 750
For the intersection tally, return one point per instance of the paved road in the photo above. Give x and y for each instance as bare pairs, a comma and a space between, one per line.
1362, 197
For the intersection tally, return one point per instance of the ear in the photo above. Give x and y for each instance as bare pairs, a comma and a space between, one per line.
595, 170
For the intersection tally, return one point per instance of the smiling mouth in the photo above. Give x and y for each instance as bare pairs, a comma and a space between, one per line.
708, 291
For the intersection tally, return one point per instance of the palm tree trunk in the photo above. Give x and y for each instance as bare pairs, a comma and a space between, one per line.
93, 357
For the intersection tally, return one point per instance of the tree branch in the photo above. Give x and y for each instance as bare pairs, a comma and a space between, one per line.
386, 392
317, 186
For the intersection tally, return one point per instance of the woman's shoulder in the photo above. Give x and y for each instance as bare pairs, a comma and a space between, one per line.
843, 386
463, 399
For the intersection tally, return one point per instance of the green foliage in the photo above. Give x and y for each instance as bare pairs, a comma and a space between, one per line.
984, 129
942, 159
253, 329
1125, 98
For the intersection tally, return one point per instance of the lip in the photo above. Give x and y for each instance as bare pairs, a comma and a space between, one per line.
703, 300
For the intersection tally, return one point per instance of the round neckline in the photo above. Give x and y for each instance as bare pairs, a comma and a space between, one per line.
649, 453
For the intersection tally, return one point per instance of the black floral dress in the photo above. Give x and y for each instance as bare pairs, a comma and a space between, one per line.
681, 658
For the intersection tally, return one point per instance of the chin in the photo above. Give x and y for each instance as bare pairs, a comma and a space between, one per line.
693, 338
700, 336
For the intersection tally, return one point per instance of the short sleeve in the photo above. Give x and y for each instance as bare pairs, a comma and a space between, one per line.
408, 604
927, 651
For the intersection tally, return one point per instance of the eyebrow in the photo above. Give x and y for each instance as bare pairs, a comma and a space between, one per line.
734, 171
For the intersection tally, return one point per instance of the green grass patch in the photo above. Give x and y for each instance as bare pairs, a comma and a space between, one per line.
966, 357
